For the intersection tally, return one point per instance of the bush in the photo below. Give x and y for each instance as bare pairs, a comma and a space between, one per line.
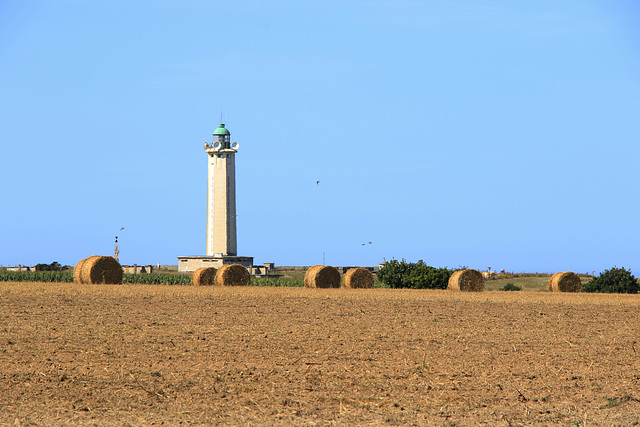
54, 266
615, 280
413, 275
395, 274
427, 277
511, 287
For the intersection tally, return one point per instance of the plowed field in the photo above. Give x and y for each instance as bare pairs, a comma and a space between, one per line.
143, 355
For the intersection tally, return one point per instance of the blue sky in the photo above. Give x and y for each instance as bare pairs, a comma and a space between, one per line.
494, 134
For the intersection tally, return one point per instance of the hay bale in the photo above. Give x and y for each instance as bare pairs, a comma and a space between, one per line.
78, 277
101, 270
322, 276
308, 274
77, 271
468, 280
358, 278
232, 275
565, 282
204, 276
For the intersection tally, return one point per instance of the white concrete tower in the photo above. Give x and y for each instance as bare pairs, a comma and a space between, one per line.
221, 195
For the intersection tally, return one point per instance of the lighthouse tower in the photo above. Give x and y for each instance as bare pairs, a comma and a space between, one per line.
221, 194
222, 244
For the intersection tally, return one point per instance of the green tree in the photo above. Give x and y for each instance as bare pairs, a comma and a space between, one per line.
402, 274
54, 266
423, 276
395, 273
615, 280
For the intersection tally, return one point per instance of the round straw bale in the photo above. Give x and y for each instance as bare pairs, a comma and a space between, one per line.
358, 278
77, 271
467, 281
565, 282
78, 276
101, 270
322, 276
232, 275
308, 274
204, 276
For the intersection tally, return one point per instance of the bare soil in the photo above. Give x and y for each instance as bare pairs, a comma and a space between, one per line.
144, 355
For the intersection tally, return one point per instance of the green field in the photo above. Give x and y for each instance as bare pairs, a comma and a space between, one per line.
294, 278
527, 282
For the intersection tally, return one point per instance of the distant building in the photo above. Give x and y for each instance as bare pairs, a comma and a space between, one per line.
188, 264
137, 269
21, 268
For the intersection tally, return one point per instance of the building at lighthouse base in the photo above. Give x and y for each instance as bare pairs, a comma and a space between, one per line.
189, 264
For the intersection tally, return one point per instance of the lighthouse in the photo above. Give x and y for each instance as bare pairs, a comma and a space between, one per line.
222, 242
221, 194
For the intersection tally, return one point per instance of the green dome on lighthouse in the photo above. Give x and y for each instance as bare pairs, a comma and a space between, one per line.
221, 130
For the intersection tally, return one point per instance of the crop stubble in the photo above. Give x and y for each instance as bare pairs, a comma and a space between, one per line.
97, 354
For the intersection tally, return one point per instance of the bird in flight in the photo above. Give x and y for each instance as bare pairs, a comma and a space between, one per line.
122, 228
317, 182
